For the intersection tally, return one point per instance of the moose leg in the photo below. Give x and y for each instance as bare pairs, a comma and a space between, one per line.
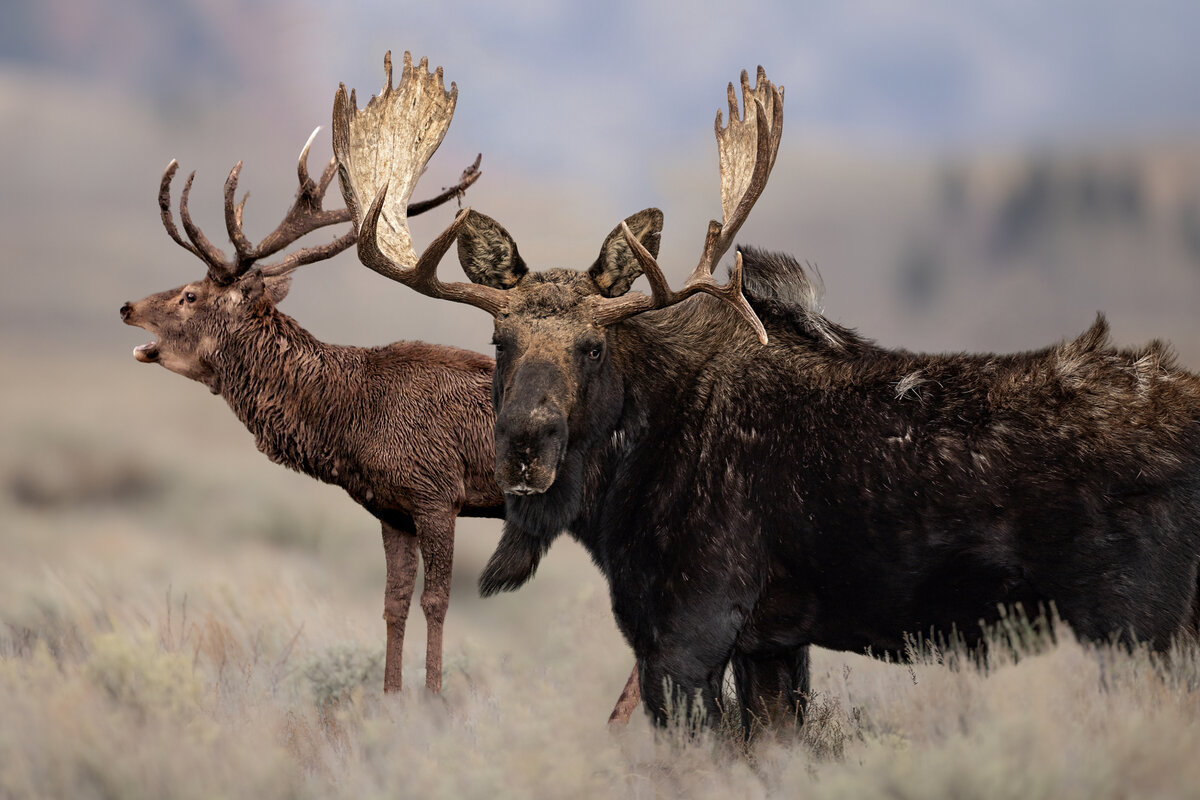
772, 688
436, 535
631, 695
400, 548
678, 685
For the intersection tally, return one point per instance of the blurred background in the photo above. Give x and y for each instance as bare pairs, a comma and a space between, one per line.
966, 176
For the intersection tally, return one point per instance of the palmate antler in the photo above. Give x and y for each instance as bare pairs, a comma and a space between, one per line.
383, 150
305, 216
747, 148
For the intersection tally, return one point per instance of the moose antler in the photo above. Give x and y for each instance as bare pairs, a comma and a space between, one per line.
381, 152
746, 148
389, 142
305, 216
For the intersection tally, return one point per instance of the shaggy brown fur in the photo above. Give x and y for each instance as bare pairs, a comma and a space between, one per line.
405, 429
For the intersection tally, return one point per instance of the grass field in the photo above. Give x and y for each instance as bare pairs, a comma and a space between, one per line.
181, 618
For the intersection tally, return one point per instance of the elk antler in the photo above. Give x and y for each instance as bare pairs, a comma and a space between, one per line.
381, 152
305, 216
747, 149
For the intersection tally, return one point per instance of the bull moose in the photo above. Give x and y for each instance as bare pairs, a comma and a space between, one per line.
752, 478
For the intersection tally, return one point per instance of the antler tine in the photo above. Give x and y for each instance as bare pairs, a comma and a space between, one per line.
164, 207
310, 255
219, 269
422, 276
302, 162
328, 175
233, 221
305, 215
469, 176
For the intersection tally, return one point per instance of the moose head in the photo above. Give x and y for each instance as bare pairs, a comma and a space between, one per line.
560, 371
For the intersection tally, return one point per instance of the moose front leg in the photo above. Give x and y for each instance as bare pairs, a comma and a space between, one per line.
772, 688
435, 533
400, 548
676, 681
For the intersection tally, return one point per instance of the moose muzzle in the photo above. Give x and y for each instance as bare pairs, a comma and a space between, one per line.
531, 430
529, 448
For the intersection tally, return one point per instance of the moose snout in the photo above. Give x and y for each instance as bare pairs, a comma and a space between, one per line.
528, 450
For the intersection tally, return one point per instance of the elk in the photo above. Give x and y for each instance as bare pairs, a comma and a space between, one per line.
753, 479
405, 429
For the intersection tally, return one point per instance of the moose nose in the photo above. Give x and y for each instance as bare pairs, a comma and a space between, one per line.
126, 310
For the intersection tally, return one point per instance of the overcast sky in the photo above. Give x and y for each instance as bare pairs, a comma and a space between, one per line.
593, 87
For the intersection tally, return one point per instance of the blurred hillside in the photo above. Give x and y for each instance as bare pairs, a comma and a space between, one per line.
964, 177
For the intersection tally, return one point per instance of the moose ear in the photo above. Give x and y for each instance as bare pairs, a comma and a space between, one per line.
488, 254
617, 268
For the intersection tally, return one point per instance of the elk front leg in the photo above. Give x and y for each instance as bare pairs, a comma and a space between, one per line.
400, 548
435, 532
631, 695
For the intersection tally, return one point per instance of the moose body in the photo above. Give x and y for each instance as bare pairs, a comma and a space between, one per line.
745, 502
747, 497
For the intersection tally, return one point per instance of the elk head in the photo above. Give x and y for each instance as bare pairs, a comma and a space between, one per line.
556, 385
190, 320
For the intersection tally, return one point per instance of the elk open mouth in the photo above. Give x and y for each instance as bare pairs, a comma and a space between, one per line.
146, 353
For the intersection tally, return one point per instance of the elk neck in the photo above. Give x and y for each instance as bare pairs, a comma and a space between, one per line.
295, 393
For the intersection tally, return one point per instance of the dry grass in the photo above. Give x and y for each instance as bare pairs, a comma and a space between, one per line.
216, 632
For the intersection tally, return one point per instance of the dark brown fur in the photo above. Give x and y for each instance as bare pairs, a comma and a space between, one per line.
745, 502
405, 429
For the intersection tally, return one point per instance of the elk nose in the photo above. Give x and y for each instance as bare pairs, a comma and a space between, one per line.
126, 310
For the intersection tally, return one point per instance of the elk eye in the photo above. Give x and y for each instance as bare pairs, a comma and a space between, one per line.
190, 296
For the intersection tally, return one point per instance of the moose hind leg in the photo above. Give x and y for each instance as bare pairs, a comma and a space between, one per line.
631, 695
436, 535
772, 688
400, 549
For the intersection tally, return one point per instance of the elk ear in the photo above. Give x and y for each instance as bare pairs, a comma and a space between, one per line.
251, 286
277, 287
617, 268
488, 253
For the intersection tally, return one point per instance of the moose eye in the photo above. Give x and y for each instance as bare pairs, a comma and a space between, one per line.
595, 353
189, 296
